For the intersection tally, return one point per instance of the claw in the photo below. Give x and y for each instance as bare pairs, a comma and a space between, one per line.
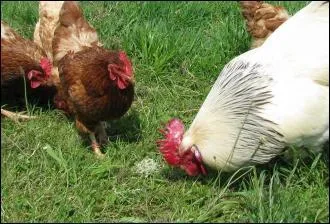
97, 150
96, 147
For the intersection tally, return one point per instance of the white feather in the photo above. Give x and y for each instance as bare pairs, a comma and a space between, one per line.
269, 97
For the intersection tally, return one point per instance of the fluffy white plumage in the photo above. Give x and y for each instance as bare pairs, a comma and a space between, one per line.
269, 97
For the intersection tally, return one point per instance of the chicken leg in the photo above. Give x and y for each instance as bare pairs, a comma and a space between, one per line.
95, 145
15, 116
100, 133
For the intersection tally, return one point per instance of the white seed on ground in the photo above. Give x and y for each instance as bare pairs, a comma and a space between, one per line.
146, 167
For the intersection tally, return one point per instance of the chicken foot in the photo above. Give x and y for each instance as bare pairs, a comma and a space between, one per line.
16, 116
95, 146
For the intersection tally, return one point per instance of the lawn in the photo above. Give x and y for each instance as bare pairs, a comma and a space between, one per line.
48, 174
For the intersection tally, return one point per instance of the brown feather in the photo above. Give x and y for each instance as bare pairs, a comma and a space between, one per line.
17, 55
74, 33
91, 94
48, 21
87, 91
262, 19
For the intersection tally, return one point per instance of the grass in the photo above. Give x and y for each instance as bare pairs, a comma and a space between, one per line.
178, 49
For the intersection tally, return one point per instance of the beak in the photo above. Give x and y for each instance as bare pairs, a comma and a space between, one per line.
198, 155
193, 148
181, 151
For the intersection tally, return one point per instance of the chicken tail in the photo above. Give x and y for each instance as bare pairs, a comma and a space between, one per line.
73, 33
262, 19
70, 13
48, 20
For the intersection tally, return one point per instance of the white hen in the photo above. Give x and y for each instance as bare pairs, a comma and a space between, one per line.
263, 100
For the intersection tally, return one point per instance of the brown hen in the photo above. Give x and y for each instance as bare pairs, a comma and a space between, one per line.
21, 58
96, 84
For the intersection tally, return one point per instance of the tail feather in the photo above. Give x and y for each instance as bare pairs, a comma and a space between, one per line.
70, 13
73, 33
48, 21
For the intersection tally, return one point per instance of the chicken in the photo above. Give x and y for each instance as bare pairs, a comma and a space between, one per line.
268, 98
262, 19
96, 84
49, 12
22, 58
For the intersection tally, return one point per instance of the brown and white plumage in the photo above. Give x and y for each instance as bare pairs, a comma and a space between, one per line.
48, 20
44, 30
36, 36
73, 38
96, 83
19, 55
21, 58
11, 39
262, 19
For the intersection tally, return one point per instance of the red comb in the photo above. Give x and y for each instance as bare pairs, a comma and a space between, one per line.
128, 65
46, 66
168, 146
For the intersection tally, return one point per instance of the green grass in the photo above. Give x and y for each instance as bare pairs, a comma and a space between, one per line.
178, 50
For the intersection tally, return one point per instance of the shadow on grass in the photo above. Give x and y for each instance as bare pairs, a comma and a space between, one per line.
126, 129
278, 164
13, 96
